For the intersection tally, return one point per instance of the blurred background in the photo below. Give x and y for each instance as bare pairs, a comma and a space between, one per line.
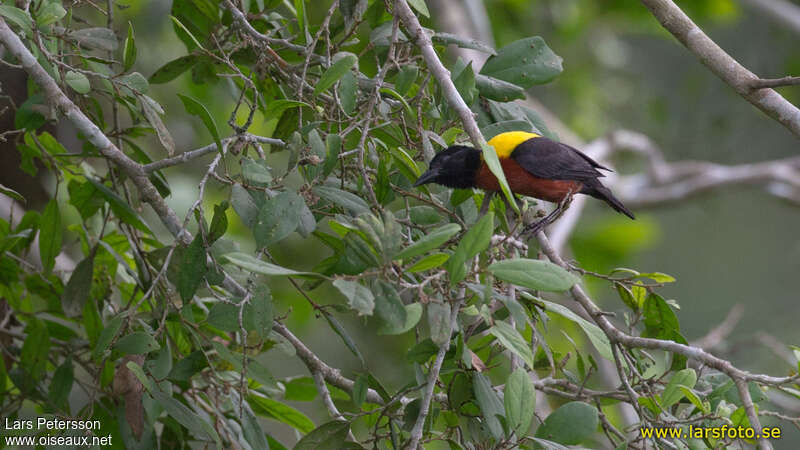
734, 245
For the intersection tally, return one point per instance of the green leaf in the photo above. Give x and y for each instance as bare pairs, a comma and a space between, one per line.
359, 394
106, 336
152, 112
499, 90
464, 81
181, 29
329, 436
261, 309
244, 205
429, 262
162, 365
660, 320
519, 399
337, 327
335, 72
439, 322
593, 332
672, 393
35, 349
510, 338
185, 416
429, 241
136, 344
219, 222
50, 13
474, 241
463, 42
420, 6
525, 62
252, 431
172, 69
135, 81
7, 191
533, 274
278, 217
272, 409
405, 79
192, 268
18, 17
492, 161
413, 315
195, 108
348, 92
570, 424
129, 56
50, 235
300, 389
252, 264
119, 207
347, 200
359, 297
278, 106
60, 387
78, 287
489, 402
388, 306
95, 38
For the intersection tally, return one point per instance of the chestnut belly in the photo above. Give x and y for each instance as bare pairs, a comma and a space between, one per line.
522, 182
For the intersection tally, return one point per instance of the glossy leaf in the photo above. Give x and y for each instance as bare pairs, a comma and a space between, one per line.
474, 241
533, 274
358, 297
430, 241
50, 235
335, 72
525, 62
195, 108
510, 338
570, 424
519, 399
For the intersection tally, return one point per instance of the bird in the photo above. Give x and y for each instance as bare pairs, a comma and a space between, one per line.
534, 166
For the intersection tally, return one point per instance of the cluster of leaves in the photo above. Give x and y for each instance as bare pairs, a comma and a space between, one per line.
167, 348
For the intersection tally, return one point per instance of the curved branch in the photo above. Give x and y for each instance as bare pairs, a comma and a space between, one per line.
723, 65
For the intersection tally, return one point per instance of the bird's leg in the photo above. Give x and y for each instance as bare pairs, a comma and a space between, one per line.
550, 218
487, 200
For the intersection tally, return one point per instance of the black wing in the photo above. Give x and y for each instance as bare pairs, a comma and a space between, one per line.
545, 158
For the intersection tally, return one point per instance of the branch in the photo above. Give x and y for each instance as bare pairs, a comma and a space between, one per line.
316, 365
440, 73
58, 100
775, 82
739, 376
781, 11
433, 375
210, 148
723, 65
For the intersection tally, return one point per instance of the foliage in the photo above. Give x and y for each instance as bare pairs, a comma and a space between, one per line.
167, 335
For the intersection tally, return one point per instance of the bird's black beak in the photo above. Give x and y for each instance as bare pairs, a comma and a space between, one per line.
426, 177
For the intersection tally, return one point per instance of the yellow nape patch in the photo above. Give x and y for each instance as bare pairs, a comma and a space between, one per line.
505, 143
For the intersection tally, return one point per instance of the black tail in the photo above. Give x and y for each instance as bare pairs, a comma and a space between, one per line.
597, 190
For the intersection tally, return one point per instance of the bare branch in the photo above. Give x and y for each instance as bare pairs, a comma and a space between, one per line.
775, 82
210, 148
433, 375
723, 65
781, 11
721, 332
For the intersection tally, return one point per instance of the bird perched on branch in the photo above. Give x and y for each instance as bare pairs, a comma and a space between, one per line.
533, 165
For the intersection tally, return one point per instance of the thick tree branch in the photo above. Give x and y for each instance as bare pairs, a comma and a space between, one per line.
723, 65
